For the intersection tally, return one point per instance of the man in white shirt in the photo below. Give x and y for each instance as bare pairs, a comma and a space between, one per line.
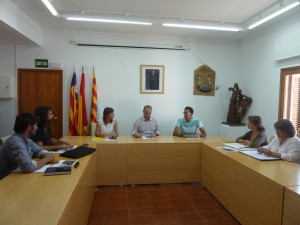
146, 125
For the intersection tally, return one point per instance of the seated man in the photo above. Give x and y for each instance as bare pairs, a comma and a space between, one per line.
146, 125
43, 136
188, 126
19, 149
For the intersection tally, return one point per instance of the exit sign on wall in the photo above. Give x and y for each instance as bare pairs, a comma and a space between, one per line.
41, 63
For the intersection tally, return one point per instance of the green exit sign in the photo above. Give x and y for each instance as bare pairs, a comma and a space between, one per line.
41, 63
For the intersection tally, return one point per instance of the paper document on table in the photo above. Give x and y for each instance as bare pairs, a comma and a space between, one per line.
237, 146
147, 138
228, 149
63, 150
98, 139
111, 139
259, 156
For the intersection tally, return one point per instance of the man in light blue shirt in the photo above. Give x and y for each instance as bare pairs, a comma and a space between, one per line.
146, 125
18, 150
188, 126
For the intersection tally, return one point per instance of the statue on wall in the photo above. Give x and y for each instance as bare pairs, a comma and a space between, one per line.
239, 103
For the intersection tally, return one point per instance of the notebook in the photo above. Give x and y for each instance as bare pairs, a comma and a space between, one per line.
78, 152
259, 156
58, 170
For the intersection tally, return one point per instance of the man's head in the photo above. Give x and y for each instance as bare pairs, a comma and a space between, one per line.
26, 123
147, 112
44, 114
188, 113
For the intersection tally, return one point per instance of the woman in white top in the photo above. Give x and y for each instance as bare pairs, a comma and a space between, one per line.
285, 146
107, 127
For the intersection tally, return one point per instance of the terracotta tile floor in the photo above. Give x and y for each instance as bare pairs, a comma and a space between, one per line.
168, 204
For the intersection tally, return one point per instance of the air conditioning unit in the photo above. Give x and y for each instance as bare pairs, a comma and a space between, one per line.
126, 45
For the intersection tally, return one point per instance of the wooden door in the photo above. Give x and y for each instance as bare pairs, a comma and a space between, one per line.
38, 87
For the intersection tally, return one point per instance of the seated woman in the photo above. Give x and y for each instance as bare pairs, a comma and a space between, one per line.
285, 146
256, 137
107, 127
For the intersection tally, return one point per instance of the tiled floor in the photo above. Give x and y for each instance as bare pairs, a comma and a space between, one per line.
172, 204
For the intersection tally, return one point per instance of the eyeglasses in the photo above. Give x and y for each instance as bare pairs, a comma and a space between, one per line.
186, 113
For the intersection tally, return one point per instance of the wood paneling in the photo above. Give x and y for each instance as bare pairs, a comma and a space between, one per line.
251, 197
38, 87
291, 206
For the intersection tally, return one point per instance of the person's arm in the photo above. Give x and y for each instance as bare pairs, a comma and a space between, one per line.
259, 140
134, 131
243, 138
54, 141
157, 129
293, 151
203, 132
98, 131
176, 131
116, 129
52, 147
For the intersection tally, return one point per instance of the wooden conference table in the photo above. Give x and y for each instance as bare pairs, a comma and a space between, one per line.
35, 199
253, 191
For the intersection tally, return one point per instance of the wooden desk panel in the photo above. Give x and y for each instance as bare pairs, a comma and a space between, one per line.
79, 206
291, 206
150, 163
250, 196
49, 200
163, 176
112, 163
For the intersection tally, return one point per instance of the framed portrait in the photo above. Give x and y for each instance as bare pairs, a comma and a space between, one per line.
152, 79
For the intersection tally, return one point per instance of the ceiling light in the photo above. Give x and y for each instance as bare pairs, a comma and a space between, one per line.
108, 21
273, 15
201, 27
50, 7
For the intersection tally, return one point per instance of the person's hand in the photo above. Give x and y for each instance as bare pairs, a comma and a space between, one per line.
137, 135
247, 143
260, 150
267, 152
54, 161
185, 135
152, 135
49, 157
64, 146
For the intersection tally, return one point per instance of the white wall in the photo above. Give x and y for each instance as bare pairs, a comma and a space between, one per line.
118, 75
8, 106
260, 74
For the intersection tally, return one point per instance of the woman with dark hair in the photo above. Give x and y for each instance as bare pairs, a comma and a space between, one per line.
43, 136
285, 146
107, 127
256, 136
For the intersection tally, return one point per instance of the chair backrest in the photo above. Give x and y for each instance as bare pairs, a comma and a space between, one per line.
3, 139
271, 138
93, 129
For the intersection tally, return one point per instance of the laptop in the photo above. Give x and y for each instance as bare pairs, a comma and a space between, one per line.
78, 152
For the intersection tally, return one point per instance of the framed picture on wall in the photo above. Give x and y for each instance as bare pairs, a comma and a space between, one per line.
152, 79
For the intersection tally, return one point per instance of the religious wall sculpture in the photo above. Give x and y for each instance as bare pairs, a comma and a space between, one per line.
239, 103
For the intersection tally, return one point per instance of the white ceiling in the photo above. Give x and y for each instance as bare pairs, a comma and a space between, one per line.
222, 11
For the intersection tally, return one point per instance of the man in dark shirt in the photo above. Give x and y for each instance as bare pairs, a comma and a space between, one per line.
18, 150
43, 136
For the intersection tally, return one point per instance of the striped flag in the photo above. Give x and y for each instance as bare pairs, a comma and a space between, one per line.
73, 107
94, 111
82, 118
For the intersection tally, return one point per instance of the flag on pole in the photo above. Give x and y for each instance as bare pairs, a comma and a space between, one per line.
94, 110
73, 107
82, 118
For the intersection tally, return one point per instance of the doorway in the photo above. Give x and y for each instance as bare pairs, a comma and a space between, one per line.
38, 87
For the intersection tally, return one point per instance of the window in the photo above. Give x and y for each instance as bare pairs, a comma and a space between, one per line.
290, 96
